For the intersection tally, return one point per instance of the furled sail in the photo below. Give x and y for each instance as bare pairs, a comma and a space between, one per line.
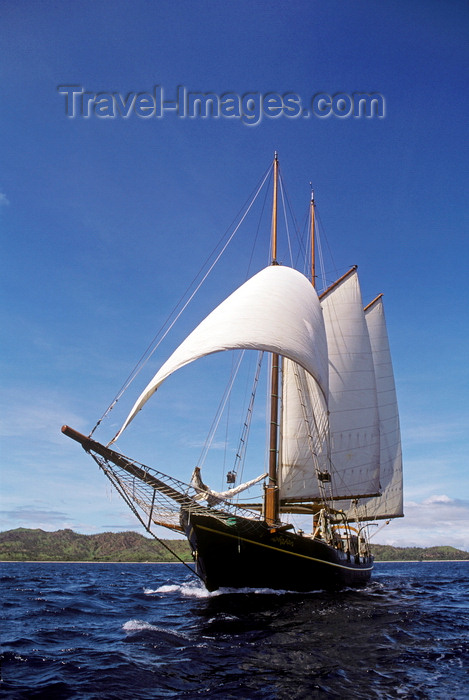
353, 406
213, 497
277, 310
389, 504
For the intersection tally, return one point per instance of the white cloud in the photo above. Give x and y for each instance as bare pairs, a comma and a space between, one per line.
25, 516
4, 201
438, 499
438, 520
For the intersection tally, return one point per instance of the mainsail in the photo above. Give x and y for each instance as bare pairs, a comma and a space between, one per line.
353, 403
338, 438
277, 310
389, 504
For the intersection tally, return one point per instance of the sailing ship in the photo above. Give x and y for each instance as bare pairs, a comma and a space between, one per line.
334, 452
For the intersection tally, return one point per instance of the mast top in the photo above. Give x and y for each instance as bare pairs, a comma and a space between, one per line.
313, 245
274, 211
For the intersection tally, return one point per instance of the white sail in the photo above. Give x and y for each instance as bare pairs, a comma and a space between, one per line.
389, 504
304, 444
277, 310
353, 419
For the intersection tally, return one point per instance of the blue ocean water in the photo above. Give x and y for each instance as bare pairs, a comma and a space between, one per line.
143, 631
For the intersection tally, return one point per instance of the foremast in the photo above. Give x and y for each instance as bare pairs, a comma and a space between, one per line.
272, 506
271, 495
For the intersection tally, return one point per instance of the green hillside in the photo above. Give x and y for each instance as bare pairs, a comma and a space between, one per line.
385, 552
65, 545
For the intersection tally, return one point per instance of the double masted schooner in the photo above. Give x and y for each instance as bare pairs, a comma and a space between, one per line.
334, 448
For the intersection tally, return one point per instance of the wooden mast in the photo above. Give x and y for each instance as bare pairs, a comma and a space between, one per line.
313, 259
313, 282
271, 500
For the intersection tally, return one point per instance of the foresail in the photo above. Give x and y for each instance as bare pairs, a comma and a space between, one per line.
353, 406
389, 504
277, 310
304, 444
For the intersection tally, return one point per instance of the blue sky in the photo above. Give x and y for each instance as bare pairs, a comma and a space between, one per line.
104, 219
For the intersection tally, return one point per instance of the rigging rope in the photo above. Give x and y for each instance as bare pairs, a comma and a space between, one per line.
117, 485
243, 439
193, 571
379, 529
219, 414
151, 349
320, 433
282, 194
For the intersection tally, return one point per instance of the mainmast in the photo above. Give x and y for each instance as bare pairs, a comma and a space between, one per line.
313, 277
271, 500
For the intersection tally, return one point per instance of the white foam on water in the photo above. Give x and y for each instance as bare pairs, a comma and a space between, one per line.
260, 591
166, 634
197, 590
139, 625
188, 590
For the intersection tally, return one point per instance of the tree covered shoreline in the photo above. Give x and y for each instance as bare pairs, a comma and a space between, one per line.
25, 544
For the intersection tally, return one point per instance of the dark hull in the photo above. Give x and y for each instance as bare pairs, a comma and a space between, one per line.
242, 553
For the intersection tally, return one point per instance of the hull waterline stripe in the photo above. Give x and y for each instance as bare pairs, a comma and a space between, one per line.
284, 551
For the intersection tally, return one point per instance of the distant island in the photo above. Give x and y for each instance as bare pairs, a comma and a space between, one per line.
25, 544
385, 552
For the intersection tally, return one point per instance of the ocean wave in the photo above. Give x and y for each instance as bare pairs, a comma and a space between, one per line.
139, 625
154, 633
187, 590
197, 590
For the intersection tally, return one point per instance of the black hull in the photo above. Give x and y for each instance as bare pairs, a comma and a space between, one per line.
242, 553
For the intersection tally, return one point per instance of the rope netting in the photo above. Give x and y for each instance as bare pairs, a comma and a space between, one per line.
157, 498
